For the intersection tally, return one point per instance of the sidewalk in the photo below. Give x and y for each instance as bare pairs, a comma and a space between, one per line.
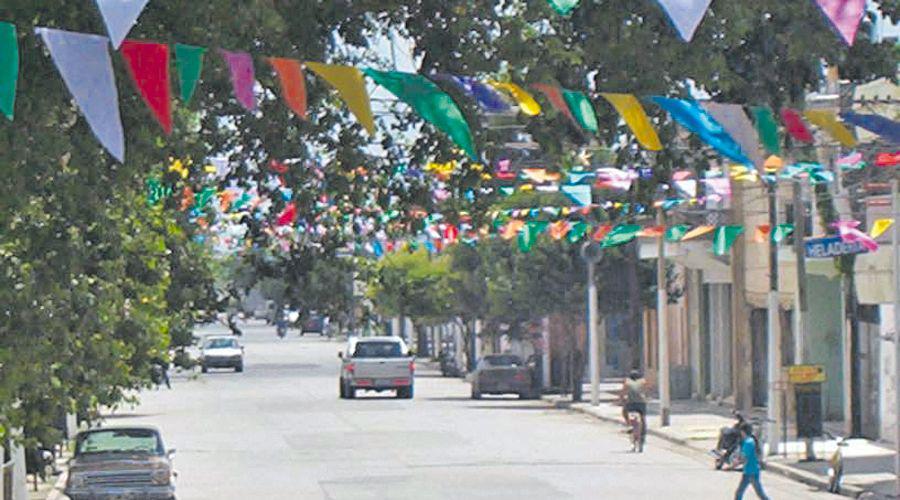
696, 425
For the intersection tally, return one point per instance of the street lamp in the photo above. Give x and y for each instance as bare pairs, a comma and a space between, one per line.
592, 253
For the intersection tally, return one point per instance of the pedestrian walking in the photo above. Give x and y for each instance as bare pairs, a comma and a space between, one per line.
634, 398
750, 476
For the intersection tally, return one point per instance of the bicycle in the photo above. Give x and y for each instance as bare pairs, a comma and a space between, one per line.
637, 432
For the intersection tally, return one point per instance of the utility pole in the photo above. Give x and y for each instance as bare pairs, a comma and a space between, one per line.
590, 252
774, 328
800, 251
741, 346
895, 241
662, 334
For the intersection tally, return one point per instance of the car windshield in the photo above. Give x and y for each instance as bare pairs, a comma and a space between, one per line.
504, 360
120, 441
220, 343
378, 350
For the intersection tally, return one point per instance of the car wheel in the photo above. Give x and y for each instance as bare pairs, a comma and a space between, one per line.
405, 392
239, 368
350, 392
204, 369
342, 393
476, 394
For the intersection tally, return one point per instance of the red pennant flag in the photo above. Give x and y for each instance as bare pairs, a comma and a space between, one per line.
293, 83
554, 95
601, 232
887, 159
287, 216
278, 167
793, 122
148, 65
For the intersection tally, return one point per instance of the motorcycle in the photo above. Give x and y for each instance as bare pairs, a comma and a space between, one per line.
836, 465
728, 450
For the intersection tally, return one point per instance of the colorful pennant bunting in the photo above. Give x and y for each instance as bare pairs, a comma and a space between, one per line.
555, 96
794, 125
189, 60
733, 118
845, 16
293, 83
620, 235
850, 234
577, 232
525, 100
880, 226
887, 159
578, 193
685, 15
630, 109
853, 161
878, 125
9, 68
698, 232
725, 237
827, 121
677, 233
148, 65
694, 118
582, 109
767, 128
119, 17
486, 97
432, 104
349, 83
84, 63
564, 7
243, 77
782, 232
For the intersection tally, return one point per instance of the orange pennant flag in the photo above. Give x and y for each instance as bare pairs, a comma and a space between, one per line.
512, 229
293, 83
762, 233
187, 198
601, 232
652, 232
698, 232
558, 230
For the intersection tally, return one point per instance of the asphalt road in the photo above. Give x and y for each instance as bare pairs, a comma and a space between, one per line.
279, 431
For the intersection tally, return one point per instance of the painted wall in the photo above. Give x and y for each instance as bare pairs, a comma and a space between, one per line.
824, 344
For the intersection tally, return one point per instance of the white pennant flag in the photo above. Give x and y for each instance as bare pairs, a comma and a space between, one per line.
686, 15
84, 63
734, 120
120, 16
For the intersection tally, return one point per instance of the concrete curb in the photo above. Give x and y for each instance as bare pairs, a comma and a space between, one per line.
804, 477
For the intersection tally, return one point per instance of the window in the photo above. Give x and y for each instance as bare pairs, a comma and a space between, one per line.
378, 350
220, 344
119, 441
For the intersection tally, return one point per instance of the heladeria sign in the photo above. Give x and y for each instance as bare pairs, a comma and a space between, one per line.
833, 246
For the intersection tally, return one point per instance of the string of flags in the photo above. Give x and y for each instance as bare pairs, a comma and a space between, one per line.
85, 65
844, 16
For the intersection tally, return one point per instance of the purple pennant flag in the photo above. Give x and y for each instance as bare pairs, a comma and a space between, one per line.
243, 77
686, 15
878, 125
84, 63
487, 98
845, 16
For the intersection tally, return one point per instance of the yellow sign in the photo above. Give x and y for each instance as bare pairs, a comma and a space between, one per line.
806, 374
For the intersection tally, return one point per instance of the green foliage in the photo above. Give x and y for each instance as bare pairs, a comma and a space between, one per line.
414, 285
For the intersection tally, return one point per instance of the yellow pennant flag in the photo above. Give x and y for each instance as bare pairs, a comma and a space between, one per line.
350, 85
827, 121
525, 100
880, 226
698, 232
634, 115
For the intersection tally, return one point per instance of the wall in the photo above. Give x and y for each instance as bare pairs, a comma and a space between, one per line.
718, 317
888, 380
824, 344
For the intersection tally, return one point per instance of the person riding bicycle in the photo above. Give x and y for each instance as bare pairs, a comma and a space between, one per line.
634, 397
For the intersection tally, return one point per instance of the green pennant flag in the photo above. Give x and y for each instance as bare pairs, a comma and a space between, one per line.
190, 63
563, 7
507, 191
725, 237
9, 68
577, 232
676, 233
526, 239
204, 197
582, 109
537, 227
432, 103
620, 235
767, 128
781, 232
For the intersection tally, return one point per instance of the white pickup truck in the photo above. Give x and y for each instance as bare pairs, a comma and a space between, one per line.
376, 364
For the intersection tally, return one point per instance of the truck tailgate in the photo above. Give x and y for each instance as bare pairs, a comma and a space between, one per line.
381, 368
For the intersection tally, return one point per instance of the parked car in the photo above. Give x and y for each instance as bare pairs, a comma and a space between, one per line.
503, 374
126, 462
377, 364
221, 352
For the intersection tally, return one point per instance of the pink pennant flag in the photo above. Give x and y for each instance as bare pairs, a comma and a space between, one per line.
850, 234
243, 77
845, 16
720, 186
613, 178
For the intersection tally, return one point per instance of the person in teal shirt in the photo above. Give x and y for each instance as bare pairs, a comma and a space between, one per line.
751, 465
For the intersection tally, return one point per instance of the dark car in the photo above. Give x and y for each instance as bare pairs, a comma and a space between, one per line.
119, 463
503, 374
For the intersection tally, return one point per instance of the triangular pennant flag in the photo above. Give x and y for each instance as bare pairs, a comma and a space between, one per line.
782, 232
84, 63
9, 68
793, 123
677, 233
563, 7
525, 100
243, 77
486, 97
579, 193
287, 216
694, 118
853, 161
559, 229
349, 83
555, 96
878, 125
148, 65
698, 232
526, 239
621, 235
189, 59
850, 234
763, 233
733, 118
880, 226
725, 237
630, 109
582, 109
845, 16
293, 83
768, 129
827, 121
431, 103
119, 17
653, 232
686, 15
773, 164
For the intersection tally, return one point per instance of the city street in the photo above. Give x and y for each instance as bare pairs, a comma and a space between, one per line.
278, 430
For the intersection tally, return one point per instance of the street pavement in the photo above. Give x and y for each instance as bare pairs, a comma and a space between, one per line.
279, 431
